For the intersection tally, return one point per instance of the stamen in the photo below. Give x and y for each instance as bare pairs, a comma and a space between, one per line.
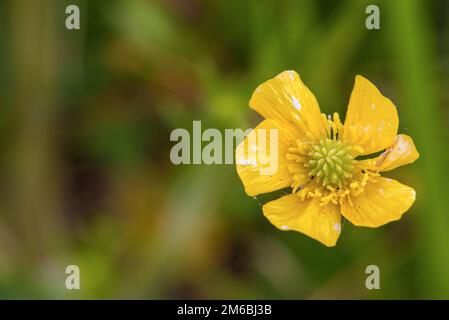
327, 169
338, 124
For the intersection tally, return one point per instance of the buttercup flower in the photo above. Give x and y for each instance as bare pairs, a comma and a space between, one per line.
319, 159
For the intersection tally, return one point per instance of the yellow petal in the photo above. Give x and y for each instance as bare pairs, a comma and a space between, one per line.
400, 153
371, 120
261, 161
286, 99
318, 222
380, 203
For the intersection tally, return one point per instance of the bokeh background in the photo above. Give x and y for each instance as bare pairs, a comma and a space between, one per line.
85, 121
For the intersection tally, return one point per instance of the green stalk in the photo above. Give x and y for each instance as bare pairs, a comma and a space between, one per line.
411, 32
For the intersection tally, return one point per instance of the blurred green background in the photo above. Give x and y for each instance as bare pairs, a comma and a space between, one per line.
85, 121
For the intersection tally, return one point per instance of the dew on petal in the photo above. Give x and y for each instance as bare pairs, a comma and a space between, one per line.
292, 75
296, 103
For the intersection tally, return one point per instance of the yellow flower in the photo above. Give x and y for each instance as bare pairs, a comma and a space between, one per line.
319, 159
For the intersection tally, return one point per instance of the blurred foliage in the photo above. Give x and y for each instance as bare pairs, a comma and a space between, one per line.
85, 120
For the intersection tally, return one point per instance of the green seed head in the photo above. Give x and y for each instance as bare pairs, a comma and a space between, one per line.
330, 162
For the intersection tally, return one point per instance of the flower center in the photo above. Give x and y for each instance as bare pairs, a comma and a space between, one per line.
330, 162
327, 169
